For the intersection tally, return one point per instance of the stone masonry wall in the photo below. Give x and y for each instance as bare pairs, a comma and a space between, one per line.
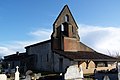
43, 61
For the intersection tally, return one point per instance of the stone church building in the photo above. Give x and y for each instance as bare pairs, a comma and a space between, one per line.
65, 49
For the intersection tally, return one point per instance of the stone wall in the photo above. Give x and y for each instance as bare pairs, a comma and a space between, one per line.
43, 61
66, 62
46, 60
70, 44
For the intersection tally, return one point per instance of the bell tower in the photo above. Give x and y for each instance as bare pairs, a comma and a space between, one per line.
65, 32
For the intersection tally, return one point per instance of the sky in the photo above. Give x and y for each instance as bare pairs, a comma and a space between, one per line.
26, 22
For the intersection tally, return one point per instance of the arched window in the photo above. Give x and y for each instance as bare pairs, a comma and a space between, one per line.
66, 18
64, 28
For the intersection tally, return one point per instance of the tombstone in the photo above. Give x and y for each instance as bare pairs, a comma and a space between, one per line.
3, 77
36, 76
74, 72
28, 73
28, 77
106, 78
118, 71
9, 69
17, 74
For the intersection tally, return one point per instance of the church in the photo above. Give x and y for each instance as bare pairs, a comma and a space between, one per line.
64, 49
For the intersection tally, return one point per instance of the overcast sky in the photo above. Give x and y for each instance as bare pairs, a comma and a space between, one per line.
25, 22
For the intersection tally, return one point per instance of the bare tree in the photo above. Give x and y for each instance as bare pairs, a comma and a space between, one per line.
116, 54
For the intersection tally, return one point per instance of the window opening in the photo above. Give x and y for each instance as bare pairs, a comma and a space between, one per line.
72, 29
66, 18
62, 27
60, 64
47, 58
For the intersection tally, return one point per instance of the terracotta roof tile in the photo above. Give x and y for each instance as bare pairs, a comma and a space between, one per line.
85, 55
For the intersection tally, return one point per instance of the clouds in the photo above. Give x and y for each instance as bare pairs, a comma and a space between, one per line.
11, 48
35, 37
5, 51
41, 33
99, 38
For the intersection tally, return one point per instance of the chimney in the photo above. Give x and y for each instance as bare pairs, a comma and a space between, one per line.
17, 52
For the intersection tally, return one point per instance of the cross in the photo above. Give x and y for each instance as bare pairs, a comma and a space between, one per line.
17, 68
17, 74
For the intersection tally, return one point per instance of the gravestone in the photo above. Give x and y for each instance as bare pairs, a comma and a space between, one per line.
118, 71
74, 73
17, 74
3, 77
36, 76
106, 78
28, 73
28, 77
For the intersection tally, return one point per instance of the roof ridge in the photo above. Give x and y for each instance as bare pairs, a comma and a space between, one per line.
38, 43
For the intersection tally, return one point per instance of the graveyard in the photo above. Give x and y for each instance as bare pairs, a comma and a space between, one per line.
63, 57
71, 74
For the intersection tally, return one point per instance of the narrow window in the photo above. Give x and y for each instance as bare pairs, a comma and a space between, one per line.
72, 29
41, 61
62, 27
13, 65
61, 64
36, 59
47, 58
66, 18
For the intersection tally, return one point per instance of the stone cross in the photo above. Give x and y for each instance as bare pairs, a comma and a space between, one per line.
17, 74
17, 69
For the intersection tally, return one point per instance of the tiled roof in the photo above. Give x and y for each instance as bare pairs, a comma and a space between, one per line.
82, 44
85, 55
